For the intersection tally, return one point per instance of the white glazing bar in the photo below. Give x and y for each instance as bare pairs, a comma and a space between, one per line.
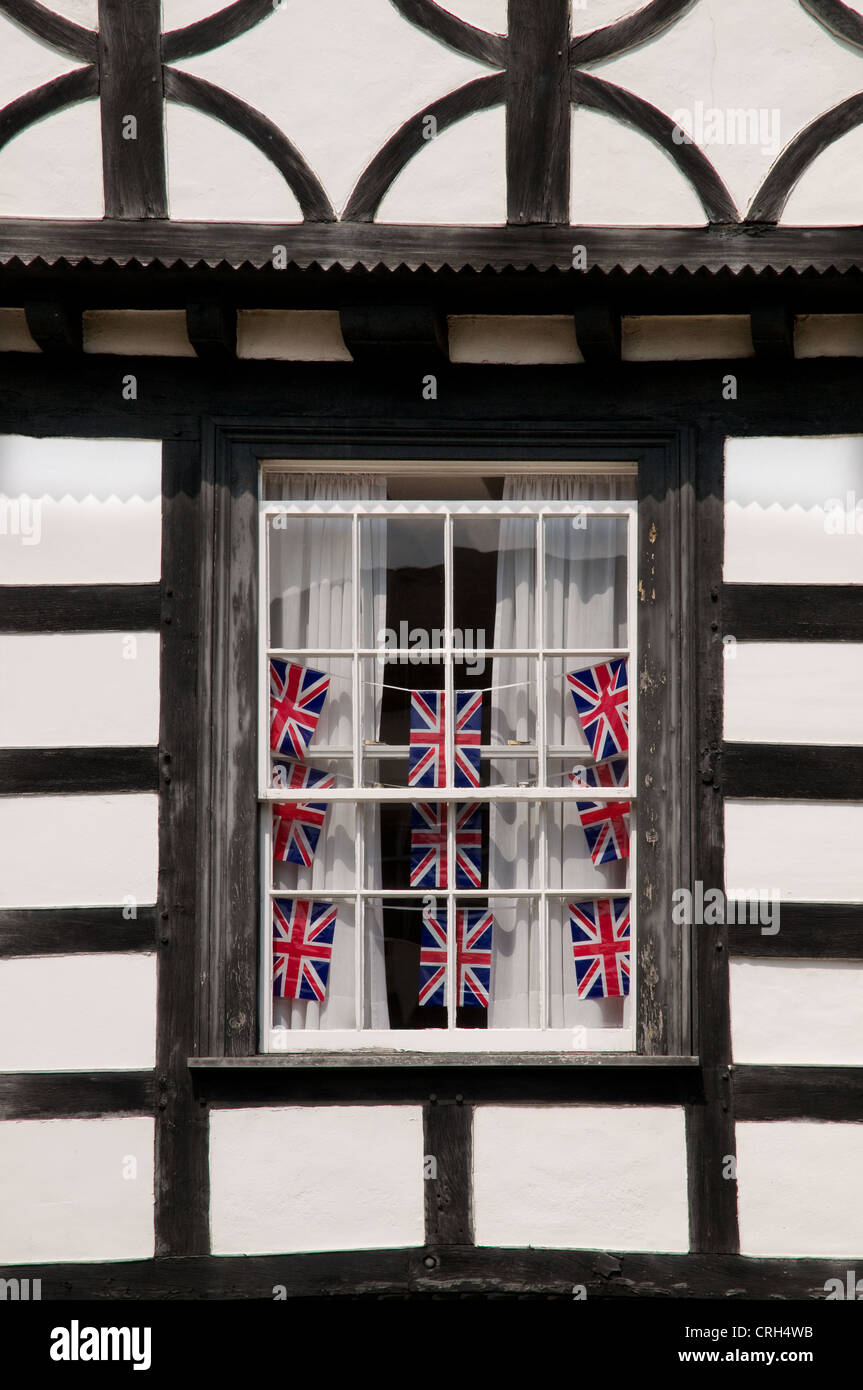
632, 776
404, 794
445, 509
433, 656
542, 770
511, 895
264, 768
266, 917
449, 724
360, 828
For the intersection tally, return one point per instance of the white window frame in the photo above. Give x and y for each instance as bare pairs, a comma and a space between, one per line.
451, 1038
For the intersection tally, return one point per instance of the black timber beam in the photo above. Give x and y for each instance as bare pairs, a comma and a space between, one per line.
598, 333
793, 612
807, 931
395, 335
80, 608
65, 931
773, 331
212, 330
825, 772
56, 328
46, 771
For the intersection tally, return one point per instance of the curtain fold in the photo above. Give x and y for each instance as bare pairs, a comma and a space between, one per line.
311, 588
584, 607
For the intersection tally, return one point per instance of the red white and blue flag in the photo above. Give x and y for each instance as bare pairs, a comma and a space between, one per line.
605, 823
297, 695
428, 738
474, 929
429, 845
302, 947
600, 947
601, 695
297, 825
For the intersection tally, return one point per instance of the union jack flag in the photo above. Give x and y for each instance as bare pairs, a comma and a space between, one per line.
601, 695
297, 695
428, 738
600, 947
474, 928
302, 947
297, 825
429, 845
605, 824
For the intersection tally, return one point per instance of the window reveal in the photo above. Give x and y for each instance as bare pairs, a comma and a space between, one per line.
472, 658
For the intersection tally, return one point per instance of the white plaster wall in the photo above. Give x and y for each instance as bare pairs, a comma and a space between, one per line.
586, 1177
54, 168
771, 697
26, 62
66, 851
796, 1012
78, 1013
214, 175
485, 14
779, 528
825, 194
733, 54
137, 332
340, 99
291, 335
110, 684
63, 1193
84, 12
80, 511
522, 339
619, 177
459, 178
828, 335
336, 1177
808, 851
797, 1186
674, 338
14, 333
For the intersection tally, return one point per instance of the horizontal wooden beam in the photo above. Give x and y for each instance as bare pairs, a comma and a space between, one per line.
80, 608
793, 612
76, 1095
450, 1270
44, 771
67, 931
807, 931
798, 1093
814, 773
462, 1079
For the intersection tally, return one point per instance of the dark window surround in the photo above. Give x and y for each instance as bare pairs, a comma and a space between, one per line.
228, 1004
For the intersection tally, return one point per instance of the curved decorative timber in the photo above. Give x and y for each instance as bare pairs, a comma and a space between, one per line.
838, 19
456, 33
628, 32
769, 202
260, 131
387, 164
603, 96
215, 29
72, 39
44, 101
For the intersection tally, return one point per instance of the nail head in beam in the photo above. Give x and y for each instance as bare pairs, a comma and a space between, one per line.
56, 328
597, 331
212, 330
395, 335
773, 331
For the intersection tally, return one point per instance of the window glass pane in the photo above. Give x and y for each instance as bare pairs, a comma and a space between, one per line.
512, 758
311, 583
516, 963
314, 845
494, 577
587, 711
415, 961
576, 998
585, 581
588, 844
402, 581
310, 708
414, 847
313, 952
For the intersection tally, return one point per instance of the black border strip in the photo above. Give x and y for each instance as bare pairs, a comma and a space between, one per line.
807, 772
45, 771
65, 931
453, 1269
799, 1093
807, 931
130, 72
79, 1095
80, 608
793, 612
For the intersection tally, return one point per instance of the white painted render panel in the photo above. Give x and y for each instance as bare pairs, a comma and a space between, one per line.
335, 1177
67, 851
825, 195
84, 12
673, 338
110, 684
291, 335
215, 175
792, 509
338, 100
54, 167
808, 851
796, 1012
458, 179
137, 332
513, 339
80, 511
828, 335
730, 55
65, 1193
27, 62
14, 334
78, 1013
619, 177
771, 697
797, 1186
530, 1186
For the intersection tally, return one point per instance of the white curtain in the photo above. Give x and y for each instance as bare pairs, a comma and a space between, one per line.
584, 604
312, 605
